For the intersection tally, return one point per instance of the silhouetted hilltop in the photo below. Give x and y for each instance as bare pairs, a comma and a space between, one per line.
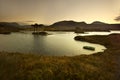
95, 26
64, 26
9, 26
68, 23
13, 25
98, 22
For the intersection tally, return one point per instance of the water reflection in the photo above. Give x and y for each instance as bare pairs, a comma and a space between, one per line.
36, 44
59, 44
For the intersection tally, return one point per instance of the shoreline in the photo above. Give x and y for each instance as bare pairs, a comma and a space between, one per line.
99, 66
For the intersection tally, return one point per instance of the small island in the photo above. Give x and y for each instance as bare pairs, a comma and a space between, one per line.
37, 29
40, 33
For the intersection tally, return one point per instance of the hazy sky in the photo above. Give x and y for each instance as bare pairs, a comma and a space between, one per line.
50, 11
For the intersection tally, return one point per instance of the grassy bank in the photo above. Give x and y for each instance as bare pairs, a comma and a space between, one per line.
112, 40
101, 66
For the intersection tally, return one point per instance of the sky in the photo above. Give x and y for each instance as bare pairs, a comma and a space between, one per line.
50, 11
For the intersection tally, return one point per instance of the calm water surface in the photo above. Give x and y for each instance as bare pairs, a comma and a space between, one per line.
58, 44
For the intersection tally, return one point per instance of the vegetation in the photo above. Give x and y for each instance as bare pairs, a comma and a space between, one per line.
109, 41
40, 33
5, 32
100, 66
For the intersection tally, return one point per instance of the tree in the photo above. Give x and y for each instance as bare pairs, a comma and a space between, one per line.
37, 26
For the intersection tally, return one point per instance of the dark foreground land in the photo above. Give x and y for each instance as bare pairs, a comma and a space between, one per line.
100, 66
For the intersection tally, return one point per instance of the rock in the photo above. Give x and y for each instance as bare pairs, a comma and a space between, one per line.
89, 48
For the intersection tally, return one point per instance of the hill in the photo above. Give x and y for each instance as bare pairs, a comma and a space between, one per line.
6, 27
95, 26
67, 25
98, 22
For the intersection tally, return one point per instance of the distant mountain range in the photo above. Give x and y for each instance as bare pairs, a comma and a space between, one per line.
72, 25
7, 26
4, 24
13, 25
67, 25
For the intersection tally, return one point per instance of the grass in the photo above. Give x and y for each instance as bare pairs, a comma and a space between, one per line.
100, 66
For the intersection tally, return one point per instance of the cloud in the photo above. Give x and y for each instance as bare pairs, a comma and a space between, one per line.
26, 22
117, 18
29, 21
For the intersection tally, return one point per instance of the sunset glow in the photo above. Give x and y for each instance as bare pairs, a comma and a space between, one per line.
50, 11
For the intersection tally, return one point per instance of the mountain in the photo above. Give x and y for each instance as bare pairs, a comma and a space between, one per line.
9, 26
63, 26
98, 22
6, 24
95, 26
67, 23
